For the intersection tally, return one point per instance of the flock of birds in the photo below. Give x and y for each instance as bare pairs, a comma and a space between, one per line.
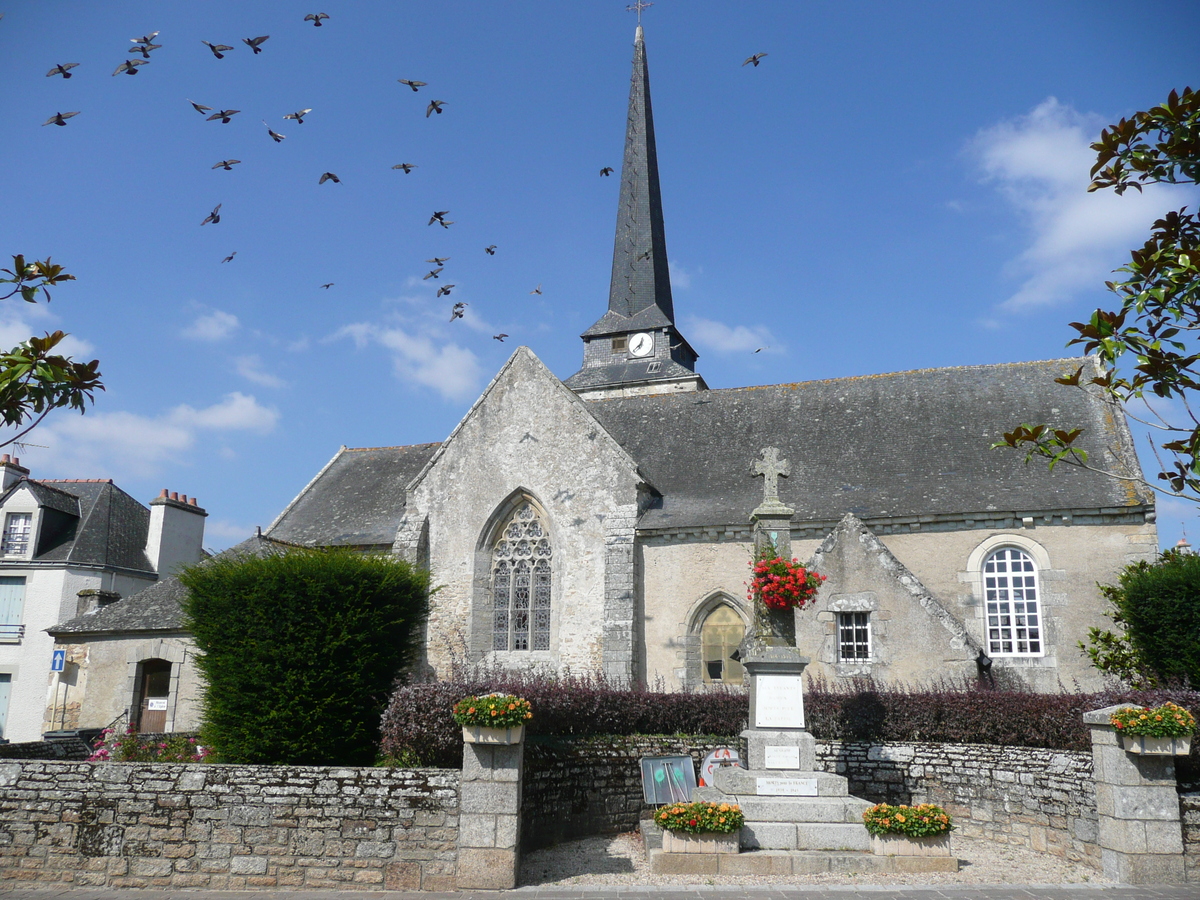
141, 51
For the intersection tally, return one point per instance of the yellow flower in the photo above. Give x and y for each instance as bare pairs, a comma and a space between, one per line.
899, 817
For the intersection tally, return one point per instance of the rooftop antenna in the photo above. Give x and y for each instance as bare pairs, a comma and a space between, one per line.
639, 6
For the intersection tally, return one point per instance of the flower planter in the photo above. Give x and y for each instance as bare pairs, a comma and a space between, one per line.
1152, 746
479, 734
708, 842
903, 845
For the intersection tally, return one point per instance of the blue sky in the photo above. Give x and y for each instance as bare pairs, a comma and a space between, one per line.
896, 186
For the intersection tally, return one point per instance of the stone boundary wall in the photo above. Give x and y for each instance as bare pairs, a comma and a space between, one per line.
1030, 797
163, 825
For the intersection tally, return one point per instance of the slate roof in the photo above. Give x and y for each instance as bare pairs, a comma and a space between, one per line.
635, 371
110, 528
357, 500
158, 607
884, 446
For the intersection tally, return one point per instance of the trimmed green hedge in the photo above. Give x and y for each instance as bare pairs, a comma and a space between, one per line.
299, 651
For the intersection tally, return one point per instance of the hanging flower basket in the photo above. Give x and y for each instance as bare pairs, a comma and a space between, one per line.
781, 584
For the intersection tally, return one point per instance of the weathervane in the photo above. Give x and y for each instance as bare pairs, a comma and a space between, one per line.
639, 6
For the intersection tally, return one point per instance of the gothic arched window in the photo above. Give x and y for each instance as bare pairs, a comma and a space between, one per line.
722, 632
1014, 620
521, 583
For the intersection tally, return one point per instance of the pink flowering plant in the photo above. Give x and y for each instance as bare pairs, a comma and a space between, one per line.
700, 817
1166, 721
925, 820
129, 746
493, 711
782, 584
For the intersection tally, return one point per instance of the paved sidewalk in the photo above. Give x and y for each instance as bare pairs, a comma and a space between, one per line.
697, 892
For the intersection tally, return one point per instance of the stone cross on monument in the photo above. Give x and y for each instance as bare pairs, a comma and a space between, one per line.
772, 520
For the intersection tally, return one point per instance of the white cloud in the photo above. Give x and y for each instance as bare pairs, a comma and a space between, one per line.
449, 369
116, 444
15, 328
1040, 163
214, 326
251, 368
680, 277
721, 338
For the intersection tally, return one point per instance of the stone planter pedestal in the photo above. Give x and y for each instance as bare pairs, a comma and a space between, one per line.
478, 734
902, 845
1152, 746
682, 842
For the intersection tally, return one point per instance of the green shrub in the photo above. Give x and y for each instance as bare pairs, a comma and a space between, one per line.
1159, 603
300, 650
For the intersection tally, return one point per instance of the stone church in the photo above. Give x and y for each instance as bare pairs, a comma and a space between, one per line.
602, 523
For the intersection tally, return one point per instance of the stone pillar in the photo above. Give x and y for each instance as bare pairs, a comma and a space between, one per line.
1140, 834
489, 822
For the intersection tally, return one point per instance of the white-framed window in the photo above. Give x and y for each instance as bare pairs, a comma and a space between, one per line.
1014, 618
12, 608
722, 632
854, 636
521, 582
5, 694
17, 527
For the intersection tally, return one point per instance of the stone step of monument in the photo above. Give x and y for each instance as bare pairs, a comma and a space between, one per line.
813, 810
773, 782
757, 835
796, 862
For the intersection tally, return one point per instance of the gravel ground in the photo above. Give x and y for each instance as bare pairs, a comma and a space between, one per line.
620, 860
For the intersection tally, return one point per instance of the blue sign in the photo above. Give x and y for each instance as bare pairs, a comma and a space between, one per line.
58, 660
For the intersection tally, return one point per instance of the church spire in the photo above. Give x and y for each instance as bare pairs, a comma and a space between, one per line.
635, 348
640, 279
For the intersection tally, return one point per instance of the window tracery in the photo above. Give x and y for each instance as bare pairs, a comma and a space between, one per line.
521, 583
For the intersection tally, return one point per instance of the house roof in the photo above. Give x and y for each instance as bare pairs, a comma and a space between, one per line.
109, 526
906, 444
158, 607
357, 500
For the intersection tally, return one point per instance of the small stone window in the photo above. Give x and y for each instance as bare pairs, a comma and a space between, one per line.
17, 527
1014, 621
521, 581
619, 344
721, 634
854, 636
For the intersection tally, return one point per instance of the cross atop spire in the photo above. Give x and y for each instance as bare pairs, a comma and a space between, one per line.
639, 6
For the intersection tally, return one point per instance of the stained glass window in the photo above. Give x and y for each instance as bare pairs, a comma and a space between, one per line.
521, 583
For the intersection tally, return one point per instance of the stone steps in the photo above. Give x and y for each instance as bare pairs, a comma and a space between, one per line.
795, 862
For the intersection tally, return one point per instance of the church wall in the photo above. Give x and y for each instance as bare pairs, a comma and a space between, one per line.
1078, 557
528, 434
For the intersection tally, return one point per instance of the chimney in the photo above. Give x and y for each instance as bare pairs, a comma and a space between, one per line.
12, 471
176, 536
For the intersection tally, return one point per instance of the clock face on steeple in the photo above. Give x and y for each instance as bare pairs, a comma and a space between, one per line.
641, 344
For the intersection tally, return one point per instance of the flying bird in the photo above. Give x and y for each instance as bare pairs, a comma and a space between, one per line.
60, 118
415, 85
298, 116
761, 349
62, 69
145, 39
438, 216
327, 286
145, 49
490, 250
537, 290
315, 18
499, 337
255, 44
437, 260
606, 171
275, 135
329, 176
230, 257
129, 67
214, 216
407, 167
433, 274
754, 59
200, 108
457, 311
435, 106
224, 115
226, 164
218, 50
444, 291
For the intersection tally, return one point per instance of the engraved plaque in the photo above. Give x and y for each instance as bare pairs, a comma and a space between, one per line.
781, 757
787, 787
155, 704
778, 701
